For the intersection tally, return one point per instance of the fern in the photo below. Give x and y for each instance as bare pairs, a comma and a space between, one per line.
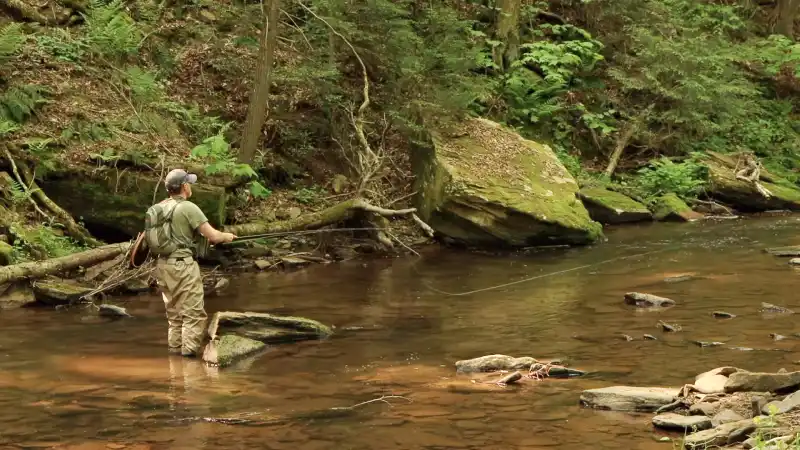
143, 85
7, 127
110, 31
18, 104
11, 39
18, 193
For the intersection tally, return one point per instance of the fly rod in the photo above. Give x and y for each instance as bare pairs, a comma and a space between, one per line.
299, 233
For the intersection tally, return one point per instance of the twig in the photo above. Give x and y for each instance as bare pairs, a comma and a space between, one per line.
402, 243
382, 398
28, 193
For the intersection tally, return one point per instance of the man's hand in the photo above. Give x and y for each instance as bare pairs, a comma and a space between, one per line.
227, 237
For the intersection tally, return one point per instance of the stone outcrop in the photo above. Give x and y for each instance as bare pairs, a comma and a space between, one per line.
627, 398
724, 186
609, 207
743, 381
117, 200
484, 185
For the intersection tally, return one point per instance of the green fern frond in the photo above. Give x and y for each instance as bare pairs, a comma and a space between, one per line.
11, 39
110, 30
143, 85
19, 103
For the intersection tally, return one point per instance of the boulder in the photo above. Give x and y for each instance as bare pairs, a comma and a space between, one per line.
703, 409
672, 421
713, 381
724, 186
113, 311
227, 349
59, 292
671, 208
606, 206
267, 328
641, 300
769, 308
484, 185
117, 200
729, 433
626, 398
790, 403
726, 416
491, 363
743, 381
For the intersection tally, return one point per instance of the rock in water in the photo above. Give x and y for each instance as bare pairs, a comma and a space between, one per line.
670, 207
626, 398
227, 349
641, 300
267, 328
491, 363
707, 343
795, 261
106, 310
729, 433
649, 337
510, 378
793, 252
672, 421
669, 328
61, 292
777, 337
611, 207
774, 309
484, 185
743, 381
723, 315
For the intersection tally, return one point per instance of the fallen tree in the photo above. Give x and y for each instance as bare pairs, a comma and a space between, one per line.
39, 269
340, 212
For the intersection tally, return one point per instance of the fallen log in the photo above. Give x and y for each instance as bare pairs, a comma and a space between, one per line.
337, 213
39, 269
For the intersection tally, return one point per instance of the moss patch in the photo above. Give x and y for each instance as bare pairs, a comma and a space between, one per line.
485, 185
56, 292
267, 328
6, 254
230, 348
607, 206
670, 207
724, 186
119, 199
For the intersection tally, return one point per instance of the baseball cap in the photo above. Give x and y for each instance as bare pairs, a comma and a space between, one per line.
176, 177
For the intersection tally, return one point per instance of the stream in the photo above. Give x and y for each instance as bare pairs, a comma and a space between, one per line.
70, 380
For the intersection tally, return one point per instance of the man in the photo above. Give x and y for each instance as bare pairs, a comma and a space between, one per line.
171, 229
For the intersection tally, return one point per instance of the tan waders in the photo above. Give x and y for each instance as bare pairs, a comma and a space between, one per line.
182, 289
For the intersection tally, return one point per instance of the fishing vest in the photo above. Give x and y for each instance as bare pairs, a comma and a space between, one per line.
158, 232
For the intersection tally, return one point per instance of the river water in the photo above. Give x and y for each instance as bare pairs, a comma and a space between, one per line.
68, 380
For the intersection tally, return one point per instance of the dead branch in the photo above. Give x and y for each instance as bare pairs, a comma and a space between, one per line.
39, 269
510, 378
24, 186
78, 232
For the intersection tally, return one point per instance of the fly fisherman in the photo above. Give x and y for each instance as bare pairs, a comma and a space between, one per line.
172, 228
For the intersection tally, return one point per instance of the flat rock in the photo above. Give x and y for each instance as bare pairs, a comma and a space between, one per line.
703, 409
726, 416
672, 421
723, 315
108, 310
267, 328
784, 251
611, 207
711, 384
795, 261
774, 309
641, 300
790, 403
729, 433
491, 363
227, 349
54, 293
628, 398
743, 381
671, 208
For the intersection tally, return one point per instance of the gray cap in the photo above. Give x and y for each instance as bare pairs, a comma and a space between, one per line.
176, 177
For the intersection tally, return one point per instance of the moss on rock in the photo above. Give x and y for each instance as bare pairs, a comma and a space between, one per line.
267, 328
484, 185
229, 348
743, 195
59, 292
670, 207
606, 206
6, 254
118, 199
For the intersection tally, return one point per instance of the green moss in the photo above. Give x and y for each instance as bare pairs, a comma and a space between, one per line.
613, 200
6, 254
231, 347
118, 199
743, 195
59, 292
670, 206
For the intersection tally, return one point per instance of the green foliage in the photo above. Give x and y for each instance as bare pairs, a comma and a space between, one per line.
110, 31
44, 154
19, 103
216, 153
143, 85
258, 190
12, 37
775, 53
308, 196
61, 45
197, 124
51, 240
18, 193
686, 179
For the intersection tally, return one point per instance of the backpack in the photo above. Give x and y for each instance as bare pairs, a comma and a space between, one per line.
158, 227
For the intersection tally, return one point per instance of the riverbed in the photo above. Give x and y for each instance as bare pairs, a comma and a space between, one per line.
71, 380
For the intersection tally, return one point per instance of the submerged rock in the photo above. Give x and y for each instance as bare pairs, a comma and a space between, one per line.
707, 343
723, 315
670, 207
107, 310
59, 292
267, 328
649, 337
491, 363
723, 185
791, 251
729, 433
774, 309
778, 337
672, 421
227, 349
484, 185
641, 300
669, 328
611, 207
627, 398
743, 381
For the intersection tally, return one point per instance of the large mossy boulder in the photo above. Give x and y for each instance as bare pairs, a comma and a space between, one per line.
483, 185
267, 328
606, 206
745, 196
117, 200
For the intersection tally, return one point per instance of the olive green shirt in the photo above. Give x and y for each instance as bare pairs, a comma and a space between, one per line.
186, 219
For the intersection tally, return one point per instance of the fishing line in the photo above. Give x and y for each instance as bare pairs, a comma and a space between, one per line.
297, 233
537, 277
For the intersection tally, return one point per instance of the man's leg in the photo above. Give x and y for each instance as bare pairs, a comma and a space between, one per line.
166, 281
192, 307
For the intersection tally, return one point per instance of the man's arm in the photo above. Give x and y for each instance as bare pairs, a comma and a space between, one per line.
213, 235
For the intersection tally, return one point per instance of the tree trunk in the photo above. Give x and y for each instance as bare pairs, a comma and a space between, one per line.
257, 109
785, 13
507, 32
335, 214
39, 269
622, 142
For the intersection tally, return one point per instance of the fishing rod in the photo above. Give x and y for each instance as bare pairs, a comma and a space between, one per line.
298, 233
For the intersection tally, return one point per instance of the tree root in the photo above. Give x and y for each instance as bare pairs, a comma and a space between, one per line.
39, 269
338, 213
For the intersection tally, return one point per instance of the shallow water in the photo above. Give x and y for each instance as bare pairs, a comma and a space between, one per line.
77, 382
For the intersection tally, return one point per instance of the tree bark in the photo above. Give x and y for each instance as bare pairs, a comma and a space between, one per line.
785, 13
39, 269
507, 31
622, 142
257, 110
335, 214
